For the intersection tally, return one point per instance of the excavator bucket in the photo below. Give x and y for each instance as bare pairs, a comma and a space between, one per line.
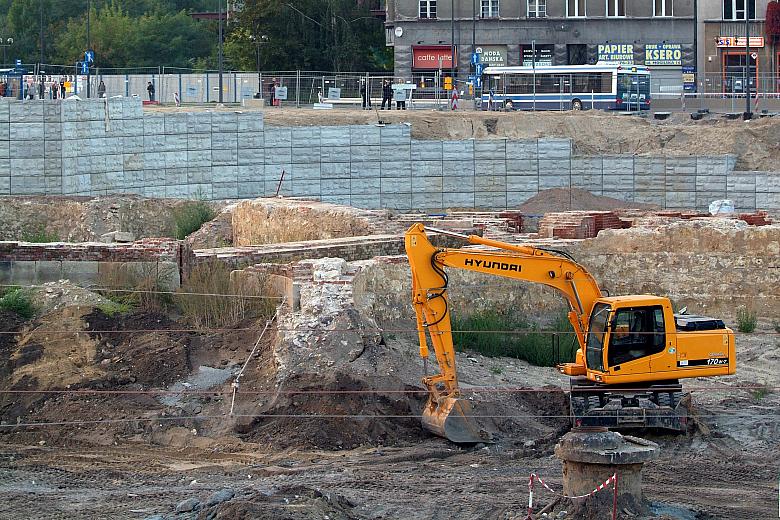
452, 418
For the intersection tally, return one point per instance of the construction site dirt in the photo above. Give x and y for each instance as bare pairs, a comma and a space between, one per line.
311, 410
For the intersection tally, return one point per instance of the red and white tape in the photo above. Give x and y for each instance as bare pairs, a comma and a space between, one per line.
611, 480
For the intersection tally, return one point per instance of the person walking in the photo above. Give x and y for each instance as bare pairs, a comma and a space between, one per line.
365, 94
63, 89
271, 92
101, 89
387, 95
150, 90
41, 89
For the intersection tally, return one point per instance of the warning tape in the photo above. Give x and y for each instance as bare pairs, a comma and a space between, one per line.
612, 480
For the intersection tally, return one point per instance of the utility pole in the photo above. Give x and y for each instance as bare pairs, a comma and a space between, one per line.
41, 8
452, 48
220, 58
89, 45
748, 115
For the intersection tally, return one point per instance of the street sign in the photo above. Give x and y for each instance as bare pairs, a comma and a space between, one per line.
475, 58
84, 67
480, 67
18, 63
89, 56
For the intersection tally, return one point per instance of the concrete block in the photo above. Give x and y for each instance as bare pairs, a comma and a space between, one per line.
365, 170
427, 184
335, 170
176, 159
365, 201
5, 131
199, 142
551, 148
710, 182
393, 135
154, 144
176, 176
130, 144
427, 169
277, 155
251, 140
680, 166
489, 183
396, 152
334, 136
26, 131
370, 153
28, 185
274, 172
199, 175
250, 190
427, 201
225, 174
305, 172
115, 163
459, 151
175, 123
768, 182
154, 124
224, 122
522, 183
224, 157
522, 167
625, 195
364, 135
490, 200
680, 199
521, 150
276, 138
744, 201
275, 188
199, 122
331, 187
251, 156
493, 149
427, 151
224, 141
741, 182
396, 169
306, 137
704, 198
516, 198
397, 201
250, 122
178, 191
306, 188
453, 199
154, 177
649, 173
396, 185
657, 197
5, 185
306, 155
51, 149
196, 158
458, 184
712, 165
27, 167
368, 186
344, 200
26, 112
176, 142
5, 167
26, 149
462, 169
339, 154
51, 131
135, 178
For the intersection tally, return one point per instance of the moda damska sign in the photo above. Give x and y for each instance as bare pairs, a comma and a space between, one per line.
492, 55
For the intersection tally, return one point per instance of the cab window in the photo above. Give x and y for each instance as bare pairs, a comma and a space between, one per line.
636, 333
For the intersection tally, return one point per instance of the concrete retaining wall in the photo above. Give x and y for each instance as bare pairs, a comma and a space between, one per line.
98, 148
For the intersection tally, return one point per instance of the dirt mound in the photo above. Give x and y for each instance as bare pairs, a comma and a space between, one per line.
53, 296
574, 199
286, 503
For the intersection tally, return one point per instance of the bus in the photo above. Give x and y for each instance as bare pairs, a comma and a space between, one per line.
567, 87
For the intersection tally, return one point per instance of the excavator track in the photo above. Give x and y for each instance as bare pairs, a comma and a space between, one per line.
662, 405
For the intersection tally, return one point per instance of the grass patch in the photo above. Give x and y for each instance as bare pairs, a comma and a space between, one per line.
210, 297
746, 319
39, 235
760, 392
113, 308
130, 286
492, 334
17, 300
189, 218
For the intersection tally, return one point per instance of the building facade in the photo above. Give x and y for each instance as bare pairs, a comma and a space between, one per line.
722, 52
657, 33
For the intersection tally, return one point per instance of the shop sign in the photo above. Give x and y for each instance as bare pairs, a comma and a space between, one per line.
663, 54
492, 55
689, 78
734, 41
622, 53
544, 56
428, 57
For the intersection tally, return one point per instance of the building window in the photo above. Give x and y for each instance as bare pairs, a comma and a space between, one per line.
616, 8
537, 8
489, 8
575, 8
735, 9
427, 8
663, 8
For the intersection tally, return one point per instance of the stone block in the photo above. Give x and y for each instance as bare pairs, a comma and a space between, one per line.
516, 198
522, 183
459, 151
175, 123
306, 155
427, 169
26, 112
224, 157
251, 140
493, 149
199, 142
225, 174
364, 135
484, 183
154, 124
251, 156
370, 201
457, 184
199, 175
306, 187
339, 154
427, 151
224, 122
367, 186
454, 199
199, 122
680, 199
251, 122
396, 152
335, 170
306, 137
331, 187
250, 190
550, 148
521, 150
490, 200
397, 201
370, 153
276, 138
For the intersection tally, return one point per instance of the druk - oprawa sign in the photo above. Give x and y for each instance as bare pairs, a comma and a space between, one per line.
663, 54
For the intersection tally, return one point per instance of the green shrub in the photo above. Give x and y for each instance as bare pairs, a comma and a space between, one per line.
18, 301
746, 319
130, 286
39, 235
113, 308
492, 334
189, 217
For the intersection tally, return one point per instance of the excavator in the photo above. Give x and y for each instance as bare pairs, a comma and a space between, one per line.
632, 350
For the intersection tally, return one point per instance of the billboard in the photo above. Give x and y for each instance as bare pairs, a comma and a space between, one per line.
663, 54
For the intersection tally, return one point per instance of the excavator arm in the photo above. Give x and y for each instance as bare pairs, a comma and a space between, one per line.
446, 414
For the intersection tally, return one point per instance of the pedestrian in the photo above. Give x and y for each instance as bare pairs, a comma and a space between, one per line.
41, 89
101, 89
63, 89
150, 90
365, 94
387, 95
2, 89
272, 92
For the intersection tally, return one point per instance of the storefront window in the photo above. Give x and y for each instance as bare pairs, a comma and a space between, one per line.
734, 72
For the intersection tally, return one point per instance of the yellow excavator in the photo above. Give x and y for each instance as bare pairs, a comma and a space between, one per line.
633, 350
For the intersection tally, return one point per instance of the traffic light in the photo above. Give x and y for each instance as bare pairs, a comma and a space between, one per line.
448, 83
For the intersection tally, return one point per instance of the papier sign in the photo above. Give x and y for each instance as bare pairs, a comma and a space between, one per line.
617, 53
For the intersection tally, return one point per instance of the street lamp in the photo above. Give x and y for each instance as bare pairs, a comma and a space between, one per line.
5, 44
220, 58
258, 41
